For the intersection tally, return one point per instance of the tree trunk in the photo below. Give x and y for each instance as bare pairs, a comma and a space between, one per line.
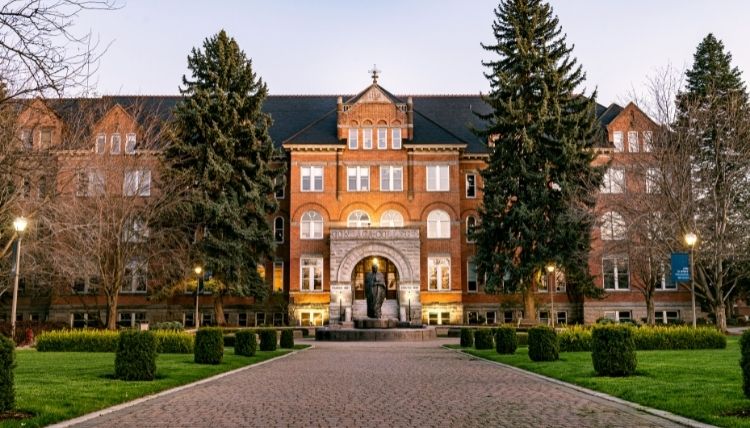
219, 310
721, 316
650, 312
112, 311
529, 306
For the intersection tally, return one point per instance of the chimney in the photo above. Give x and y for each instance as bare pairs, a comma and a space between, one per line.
410, 117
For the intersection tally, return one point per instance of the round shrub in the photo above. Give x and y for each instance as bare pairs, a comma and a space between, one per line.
744, 362
7, 364
506, 341
543, 344
245, 343
209, 346
613, 350
483, 339
467, 337
136, 355
287, 339
268, 338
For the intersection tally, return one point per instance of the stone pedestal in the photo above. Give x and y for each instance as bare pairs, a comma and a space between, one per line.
348, 315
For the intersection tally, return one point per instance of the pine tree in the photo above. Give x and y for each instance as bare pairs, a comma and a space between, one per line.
539, 185
222, 150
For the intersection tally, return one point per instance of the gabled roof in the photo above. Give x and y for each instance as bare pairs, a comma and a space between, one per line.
392, 98
609, 114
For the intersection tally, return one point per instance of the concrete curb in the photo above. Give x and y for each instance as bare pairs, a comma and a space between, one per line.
137, 401
655, 412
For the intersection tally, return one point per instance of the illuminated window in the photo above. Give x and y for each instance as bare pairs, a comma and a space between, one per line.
311, 274
439, 273
278, 276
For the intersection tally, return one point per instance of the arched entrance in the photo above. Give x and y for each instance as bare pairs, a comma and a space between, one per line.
384, 265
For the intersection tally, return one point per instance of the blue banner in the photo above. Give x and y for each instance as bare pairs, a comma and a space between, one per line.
680, 267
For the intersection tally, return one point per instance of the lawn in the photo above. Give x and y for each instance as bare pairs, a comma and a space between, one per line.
55, 386
702, 385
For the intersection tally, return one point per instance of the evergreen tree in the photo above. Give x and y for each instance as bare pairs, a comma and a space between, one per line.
539, 185
222, 151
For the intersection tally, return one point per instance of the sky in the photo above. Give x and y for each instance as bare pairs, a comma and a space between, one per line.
420, 46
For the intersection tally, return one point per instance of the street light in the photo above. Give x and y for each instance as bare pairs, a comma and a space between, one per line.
19, 224
197, 271
690, 240
550, 284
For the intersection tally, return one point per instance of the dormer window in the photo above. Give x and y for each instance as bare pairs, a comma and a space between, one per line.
116, 144
396, 138
130, 144
367, 138
382, 139
101, 144
353, 140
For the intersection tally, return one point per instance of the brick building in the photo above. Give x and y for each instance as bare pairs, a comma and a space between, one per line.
373, 179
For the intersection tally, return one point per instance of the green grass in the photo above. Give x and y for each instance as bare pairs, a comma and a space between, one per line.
701, 384
55, 386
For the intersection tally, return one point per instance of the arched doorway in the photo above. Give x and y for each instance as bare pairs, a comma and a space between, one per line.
384, 265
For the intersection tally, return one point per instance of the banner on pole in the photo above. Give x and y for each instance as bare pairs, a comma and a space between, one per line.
680, 267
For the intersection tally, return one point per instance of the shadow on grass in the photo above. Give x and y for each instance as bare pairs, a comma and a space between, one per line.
111, 376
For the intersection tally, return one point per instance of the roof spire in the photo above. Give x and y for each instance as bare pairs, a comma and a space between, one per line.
375, 73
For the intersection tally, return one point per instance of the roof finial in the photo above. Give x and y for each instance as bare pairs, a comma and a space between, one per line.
375, 73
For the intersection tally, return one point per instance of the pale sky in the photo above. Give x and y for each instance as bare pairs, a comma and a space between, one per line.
421, 46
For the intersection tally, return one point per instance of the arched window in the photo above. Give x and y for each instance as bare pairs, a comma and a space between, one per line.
471, 224
311, 225
612, 226
391, 218
278, 230
358, 219
438, 225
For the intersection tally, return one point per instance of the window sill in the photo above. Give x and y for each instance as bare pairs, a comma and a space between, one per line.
617, 289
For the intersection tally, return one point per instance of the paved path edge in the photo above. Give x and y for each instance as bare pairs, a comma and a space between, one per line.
125, 405
656, 412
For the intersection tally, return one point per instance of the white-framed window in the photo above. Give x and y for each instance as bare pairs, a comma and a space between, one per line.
260, 318
358, 218
312, 178
130, 144
310, 318
281, 188
438, 273
613, 181
45, 138
508, 317
438, 225
615, 273
472, 285
562, 317
612, 226
544, 317
135, 230
633, 141
438, 178
27, 139
617, 139
311, 274
367, 138
353, 138
382, 138
396, 138
648, 138
471, 186
391, 218
653, 176
311, 225
116, 147
391, 178
137, 183
278, 230
130, 319
134, 279
666, 317
665, 277
471, 225
90, 183
560, 281
278, 276
619, 316
86, 285
358, 178
438, 318
101, 144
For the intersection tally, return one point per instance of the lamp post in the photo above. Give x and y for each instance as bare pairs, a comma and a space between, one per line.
19, 224
550, 284
198, 270
408, 294
690, 240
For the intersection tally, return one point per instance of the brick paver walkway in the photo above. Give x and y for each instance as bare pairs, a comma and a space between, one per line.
379, 384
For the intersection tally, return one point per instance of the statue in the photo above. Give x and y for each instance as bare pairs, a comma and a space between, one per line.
375, 292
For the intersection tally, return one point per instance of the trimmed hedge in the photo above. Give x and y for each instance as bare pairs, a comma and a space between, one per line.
543, 344
483, 339
523, 338
467, 337
506, 341
574, 339
287, 339
174, 342
678, 337
209, 345
77, 341
613, 350
745, 362
268, 338
7, 364
245, 343
136, 355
